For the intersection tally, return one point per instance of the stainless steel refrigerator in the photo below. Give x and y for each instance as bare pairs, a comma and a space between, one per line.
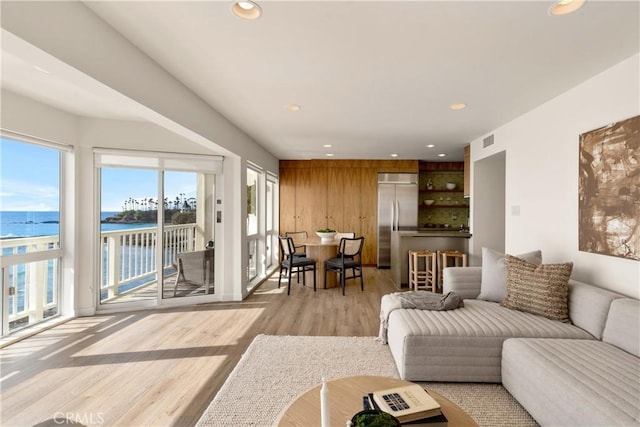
397, 209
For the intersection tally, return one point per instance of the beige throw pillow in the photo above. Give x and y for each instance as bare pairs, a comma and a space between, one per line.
538, 289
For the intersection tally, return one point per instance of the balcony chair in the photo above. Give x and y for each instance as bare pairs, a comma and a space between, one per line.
195, 268
292, 262
350, 258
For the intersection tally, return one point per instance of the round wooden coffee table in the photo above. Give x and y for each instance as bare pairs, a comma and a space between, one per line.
345, 395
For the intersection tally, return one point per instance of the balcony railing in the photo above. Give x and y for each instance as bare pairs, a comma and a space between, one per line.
128, 259
127, 262
31, 279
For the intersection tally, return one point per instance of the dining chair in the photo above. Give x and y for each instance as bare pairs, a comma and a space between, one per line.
292, 262
340, 236
298, 236
350, 259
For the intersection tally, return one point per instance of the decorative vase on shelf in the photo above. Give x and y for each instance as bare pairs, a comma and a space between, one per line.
429, 184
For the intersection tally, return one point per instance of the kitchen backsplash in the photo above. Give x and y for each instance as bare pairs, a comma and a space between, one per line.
450, 208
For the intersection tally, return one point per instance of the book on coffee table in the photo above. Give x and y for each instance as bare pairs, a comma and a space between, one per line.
406, 403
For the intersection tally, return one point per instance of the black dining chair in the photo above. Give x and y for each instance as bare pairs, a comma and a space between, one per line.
292, 263
298, 236
350, 258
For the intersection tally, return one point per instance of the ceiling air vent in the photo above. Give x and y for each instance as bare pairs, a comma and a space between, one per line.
487, 141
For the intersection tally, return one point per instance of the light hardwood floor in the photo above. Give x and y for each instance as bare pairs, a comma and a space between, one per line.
163, 367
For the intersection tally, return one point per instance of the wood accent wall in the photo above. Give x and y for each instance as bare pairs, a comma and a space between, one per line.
337, 194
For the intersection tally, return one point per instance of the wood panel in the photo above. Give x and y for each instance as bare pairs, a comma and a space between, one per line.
379, 165
351, 200
305, 200
287, 184
339, 194
369, 214
335, 199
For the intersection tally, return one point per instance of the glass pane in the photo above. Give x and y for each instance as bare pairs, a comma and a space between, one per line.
269, 257
33, 292
252, 271
188, 234
128, 234
252, 202
29, 197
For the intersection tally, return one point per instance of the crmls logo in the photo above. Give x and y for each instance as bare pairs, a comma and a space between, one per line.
72, 418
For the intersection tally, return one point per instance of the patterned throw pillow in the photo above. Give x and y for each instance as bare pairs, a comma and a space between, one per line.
538, 289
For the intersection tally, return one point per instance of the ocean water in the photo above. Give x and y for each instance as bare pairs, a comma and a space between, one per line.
21, 224
44, 223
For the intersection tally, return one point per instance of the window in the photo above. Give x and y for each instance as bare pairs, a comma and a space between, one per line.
272, 235
30, 231
253, 217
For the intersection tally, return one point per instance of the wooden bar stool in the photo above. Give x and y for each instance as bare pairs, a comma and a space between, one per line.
423, 278
458, 258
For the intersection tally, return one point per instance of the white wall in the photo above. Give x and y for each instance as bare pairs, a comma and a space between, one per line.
25, 116
488, 206
542, 173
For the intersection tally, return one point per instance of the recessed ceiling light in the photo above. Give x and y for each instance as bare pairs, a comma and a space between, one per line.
430, 145
292, 107
329, 154
42, 70
458, 106
441, 155
246, 9
565, 7
394, 155
327, 145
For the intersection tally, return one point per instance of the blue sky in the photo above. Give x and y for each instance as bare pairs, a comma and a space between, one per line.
29, 181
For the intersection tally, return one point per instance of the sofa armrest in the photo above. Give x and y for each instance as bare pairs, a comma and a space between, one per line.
464, 281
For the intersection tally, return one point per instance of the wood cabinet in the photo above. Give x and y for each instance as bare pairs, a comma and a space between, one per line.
337, 194
301, 199
467, 171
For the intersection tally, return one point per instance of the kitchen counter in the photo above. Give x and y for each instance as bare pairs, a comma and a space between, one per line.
435, 240
443, 232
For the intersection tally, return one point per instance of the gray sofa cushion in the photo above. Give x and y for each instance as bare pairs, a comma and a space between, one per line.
623, 326
573, 382
463, 344
589, 307
494, 273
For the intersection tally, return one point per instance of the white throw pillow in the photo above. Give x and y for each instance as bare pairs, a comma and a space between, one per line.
494, 273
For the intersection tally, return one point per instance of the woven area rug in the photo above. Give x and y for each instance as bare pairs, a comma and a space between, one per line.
276, 369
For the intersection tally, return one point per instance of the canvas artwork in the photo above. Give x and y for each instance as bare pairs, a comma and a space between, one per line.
609, 205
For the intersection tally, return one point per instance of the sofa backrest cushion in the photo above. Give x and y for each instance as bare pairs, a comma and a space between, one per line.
589, 307
493, 285
623, 325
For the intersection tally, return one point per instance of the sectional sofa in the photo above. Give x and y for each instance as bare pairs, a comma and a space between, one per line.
585, 372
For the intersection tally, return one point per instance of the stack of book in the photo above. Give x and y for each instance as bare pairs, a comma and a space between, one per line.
410, 404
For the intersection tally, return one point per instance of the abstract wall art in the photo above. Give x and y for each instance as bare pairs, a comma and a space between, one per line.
609, 190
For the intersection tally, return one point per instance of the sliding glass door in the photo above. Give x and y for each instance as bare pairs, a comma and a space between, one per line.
157, 240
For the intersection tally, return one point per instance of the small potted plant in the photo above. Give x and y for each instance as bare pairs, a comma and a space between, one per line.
374, 418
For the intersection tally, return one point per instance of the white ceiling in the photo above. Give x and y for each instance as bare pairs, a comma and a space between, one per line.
373, 78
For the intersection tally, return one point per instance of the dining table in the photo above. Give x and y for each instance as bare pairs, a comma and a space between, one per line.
321, 251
